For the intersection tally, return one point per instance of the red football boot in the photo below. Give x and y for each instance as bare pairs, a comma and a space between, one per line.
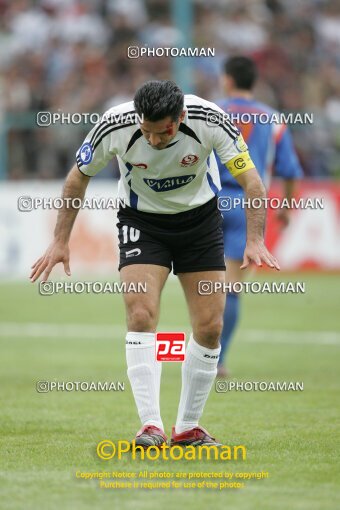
149, 435
197, 436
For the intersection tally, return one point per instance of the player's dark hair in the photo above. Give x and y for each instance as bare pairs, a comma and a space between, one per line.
243, 71
156, 100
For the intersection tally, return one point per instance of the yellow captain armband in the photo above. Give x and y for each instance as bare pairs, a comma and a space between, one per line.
240, 163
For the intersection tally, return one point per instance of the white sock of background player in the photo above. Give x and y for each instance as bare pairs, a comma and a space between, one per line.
198, 374
144, 373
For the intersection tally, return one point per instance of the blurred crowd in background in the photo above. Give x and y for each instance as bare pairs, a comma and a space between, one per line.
71, 56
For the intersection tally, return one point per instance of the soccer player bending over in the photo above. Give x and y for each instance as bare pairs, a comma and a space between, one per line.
169, 180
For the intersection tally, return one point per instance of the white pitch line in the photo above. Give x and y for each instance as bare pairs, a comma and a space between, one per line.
291, 337
48, 330
92, 331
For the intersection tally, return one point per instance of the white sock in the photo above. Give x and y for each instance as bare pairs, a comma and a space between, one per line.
144, 373
198, 374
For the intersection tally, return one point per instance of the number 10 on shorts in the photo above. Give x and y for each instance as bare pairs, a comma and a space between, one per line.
170, 346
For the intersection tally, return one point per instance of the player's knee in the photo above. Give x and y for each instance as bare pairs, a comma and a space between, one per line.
141, 319
209, 332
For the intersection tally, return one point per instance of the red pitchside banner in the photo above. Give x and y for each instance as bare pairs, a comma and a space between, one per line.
312, 238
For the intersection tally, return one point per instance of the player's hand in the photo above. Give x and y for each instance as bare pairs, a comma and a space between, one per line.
55, 253
257, 252
283, 215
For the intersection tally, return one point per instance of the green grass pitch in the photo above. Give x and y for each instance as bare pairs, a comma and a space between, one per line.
46, 438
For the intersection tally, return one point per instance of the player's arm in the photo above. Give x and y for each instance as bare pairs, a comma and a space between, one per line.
92, 156
255, 250
233, 153
58, 251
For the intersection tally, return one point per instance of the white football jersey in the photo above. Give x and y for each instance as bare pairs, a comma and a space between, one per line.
180, 177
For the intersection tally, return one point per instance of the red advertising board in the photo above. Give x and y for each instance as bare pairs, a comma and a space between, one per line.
312, 238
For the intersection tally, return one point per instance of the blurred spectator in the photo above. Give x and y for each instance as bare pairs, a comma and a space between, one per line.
71, 56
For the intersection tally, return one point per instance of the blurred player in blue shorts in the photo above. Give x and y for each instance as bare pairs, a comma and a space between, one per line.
271, 149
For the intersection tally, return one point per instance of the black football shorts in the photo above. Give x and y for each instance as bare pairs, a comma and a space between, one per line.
187, 242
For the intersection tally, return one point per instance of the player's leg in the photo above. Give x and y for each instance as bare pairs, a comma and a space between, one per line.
143, 258
231, 311
203, 349
144, 372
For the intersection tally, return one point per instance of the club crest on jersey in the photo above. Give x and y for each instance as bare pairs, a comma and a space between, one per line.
86, 153
189, 160
169, 183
